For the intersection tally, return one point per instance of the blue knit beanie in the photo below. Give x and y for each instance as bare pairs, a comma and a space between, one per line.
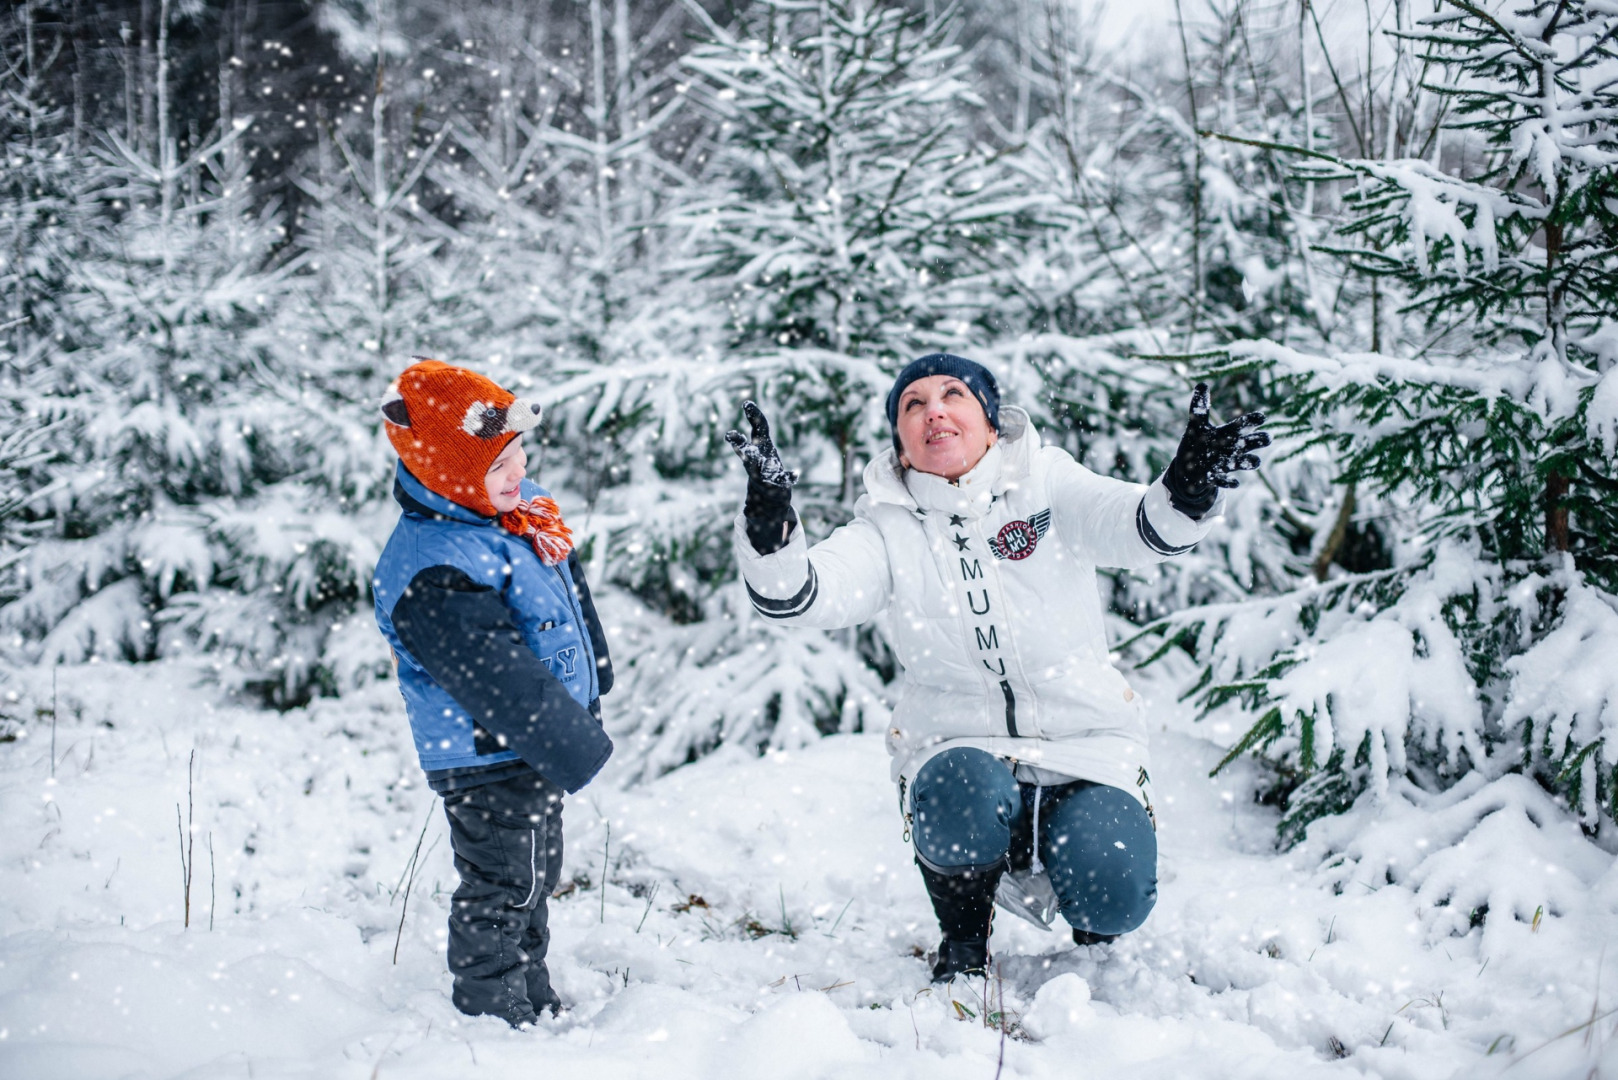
978, 379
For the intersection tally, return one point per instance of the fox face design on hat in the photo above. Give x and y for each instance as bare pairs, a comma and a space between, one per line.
448, 424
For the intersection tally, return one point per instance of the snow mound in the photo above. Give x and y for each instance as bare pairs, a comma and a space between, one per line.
750, 916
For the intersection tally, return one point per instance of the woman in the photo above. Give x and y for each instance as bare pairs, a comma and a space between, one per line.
1016, 744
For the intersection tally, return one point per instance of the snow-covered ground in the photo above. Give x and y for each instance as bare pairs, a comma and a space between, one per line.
761, 918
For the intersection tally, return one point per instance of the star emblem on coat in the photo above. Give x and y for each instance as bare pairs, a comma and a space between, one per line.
957, 520
1017, 540
960, 543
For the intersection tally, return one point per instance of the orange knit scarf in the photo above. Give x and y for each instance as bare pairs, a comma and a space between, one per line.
540, 520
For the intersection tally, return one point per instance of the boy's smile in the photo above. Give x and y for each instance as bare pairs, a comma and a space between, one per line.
504, 478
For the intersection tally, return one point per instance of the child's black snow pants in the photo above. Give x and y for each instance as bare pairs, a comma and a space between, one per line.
507, 841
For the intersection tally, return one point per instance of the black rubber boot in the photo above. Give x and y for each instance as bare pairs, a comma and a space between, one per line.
477, 1000
964, 904
1085, 937
547, 999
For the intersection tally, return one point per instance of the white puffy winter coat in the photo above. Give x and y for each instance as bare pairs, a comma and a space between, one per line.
994, 611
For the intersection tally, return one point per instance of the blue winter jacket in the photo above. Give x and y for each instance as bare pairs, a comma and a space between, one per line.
500, 657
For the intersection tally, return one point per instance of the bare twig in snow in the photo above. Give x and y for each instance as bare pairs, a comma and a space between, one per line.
650, 897
53, 720
410, 880
410, 863
605, 848
184, 826
1000, 989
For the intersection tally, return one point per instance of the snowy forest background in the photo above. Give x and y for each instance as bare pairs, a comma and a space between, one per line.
226, 224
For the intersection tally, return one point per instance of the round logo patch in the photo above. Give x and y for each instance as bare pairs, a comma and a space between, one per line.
1017, 540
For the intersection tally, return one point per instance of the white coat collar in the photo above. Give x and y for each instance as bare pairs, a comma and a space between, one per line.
1005, 465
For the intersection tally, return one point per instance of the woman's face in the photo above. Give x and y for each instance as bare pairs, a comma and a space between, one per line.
942, 427
504, 479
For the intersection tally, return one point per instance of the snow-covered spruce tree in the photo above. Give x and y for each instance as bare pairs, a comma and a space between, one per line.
46, 220
288, 563
386, 273
1263, 80
169, 504
1254, 274
387, 279
1487, 648
861, 220
1135, 225
846, 222
574, 159
577, 154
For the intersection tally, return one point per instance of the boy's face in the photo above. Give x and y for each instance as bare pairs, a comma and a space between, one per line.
504, 479
942, 427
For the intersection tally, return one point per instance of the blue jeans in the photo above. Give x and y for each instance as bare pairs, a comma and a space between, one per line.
1097, 842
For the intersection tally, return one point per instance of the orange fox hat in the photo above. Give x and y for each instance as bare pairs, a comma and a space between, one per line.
448, 424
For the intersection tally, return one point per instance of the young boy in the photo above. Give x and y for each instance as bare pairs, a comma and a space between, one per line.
502, 663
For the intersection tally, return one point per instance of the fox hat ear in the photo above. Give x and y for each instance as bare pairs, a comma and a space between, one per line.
393, 407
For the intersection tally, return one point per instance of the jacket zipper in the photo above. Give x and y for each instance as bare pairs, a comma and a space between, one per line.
1011, 708
976, 532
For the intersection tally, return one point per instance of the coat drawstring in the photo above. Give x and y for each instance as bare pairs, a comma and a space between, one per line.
1036, 866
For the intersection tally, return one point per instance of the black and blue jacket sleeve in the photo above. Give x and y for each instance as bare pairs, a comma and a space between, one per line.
592, 623
462, 634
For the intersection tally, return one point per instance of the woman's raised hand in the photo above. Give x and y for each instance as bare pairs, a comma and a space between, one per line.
758, 453
1209, 457
768, 510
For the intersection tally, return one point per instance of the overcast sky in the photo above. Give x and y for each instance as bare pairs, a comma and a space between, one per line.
1137, 25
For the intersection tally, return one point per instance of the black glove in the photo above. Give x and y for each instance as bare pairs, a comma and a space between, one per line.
1208, 456
768, 510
